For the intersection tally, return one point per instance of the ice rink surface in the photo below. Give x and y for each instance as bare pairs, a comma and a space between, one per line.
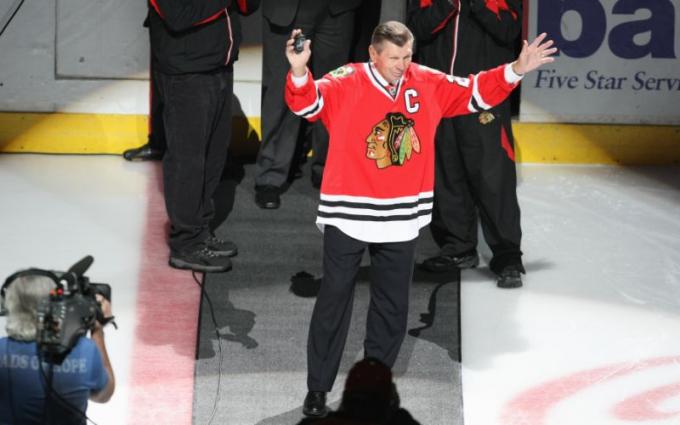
593, 337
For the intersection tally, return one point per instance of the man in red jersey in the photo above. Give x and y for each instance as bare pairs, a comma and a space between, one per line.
387, 106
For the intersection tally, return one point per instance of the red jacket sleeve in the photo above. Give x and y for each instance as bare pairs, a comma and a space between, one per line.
305, 101
316, 99
484, 90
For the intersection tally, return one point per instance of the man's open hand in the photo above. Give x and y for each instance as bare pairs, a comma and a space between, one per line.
534, 55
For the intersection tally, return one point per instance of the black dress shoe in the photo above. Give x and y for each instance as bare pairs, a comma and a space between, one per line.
510, 277
143, 153
268, 197
315, 404
446, 263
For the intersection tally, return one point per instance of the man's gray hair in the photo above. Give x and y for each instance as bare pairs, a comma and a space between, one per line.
21, 302
393, 31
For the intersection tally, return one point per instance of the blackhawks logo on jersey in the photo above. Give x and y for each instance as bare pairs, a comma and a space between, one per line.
341, 72
392, 141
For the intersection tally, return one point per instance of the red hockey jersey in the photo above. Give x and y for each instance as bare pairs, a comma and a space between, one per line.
379, 174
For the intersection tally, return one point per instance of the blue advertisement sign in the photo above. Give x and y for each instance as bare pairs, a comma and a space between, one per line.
617, 62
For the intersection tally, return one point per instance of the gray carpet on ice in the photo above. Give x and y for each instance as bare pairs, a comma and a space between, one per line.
259, 378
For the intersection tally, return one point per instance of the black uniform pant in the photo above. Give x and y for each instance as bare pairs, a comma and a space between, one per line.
475, 174
197, 118
391, 273
331, 42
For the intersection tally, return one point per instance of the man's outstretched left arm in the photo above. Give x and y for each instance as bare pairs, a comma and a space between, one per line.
487, 89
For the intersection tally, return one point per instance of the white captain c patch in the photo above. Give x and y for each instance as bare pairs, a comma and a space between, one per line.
412, 105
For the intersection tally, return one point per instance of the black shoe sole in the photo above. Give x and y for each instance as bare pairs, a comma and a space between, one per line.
268, 205
143, 157
138, 159
231, 253
178, 263
314, 413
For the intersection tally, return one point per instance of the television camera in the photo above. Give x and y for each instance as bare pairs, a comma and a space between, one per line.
70, 311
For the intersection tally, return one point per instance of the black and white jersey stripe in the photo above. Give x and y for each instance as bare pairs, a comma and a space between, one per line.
376, 220
477, 103
313, 109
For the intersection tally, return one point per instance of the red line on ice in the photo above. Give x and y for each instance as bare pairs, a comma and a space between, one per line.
162, 364
531, 407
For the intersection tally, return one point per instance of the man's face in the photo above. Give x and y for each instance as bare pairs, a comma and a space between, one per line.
392, 60
376, 145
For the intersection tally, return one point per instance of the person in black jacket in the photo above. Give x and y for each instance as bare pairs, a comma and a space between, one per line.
475, 168
329, 24
194, 44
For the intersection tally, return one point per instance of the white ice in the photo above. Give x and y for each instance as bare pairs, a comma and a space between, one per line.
593, 337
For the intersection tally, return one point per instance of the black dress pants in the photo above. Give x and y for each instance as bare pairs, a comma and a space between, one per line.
331, 42
197, 118
474, 174
391, 273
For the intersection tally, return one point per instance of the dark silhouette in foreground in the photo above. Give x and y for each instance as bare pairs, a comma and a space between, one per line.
370, 397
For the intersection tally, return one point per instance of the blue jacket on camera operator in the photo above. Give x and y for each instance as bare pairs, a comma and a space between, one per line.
35, 392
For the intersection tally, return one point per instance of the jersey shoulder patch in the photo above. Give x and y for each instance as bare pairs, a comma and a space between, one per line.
463, 82
342, 72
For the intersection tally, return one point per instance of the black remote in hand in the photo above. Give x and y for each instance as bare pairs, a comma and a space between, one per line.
299, 43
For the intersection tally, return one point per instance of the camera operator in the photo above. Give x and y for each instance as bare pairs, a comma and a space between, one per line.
33, 391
